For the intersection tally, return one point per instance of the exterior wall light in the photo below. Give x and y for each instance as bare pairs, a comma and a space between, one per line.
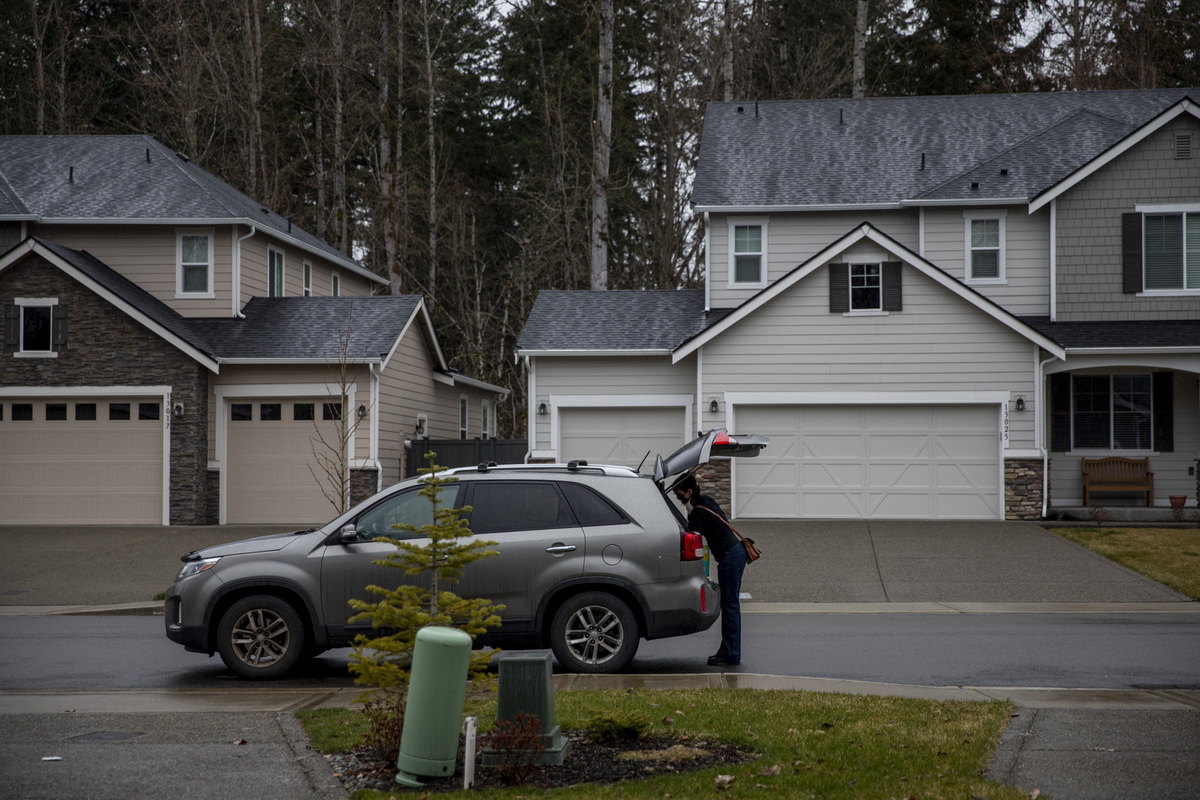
1020, 404
362, 410
713, 406
542, 410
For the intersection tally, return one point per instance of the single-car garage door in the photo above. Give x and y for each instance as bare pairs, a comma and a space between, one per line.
81, 461
873, 461
270, 453
620, 436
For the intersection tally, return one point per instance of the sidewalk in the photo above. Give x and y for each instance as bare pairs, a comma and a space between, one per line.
1069, 744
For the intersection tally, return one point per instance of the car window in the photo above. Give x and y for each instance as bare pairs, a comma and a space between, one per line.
498, 506
407, 507
591, 509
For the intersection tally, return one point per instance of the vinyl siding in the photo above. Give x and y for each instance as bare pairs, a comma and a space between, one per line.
1026, 289
1089, 230
792, 239
254, 271
146, 255
937, 343
638, 376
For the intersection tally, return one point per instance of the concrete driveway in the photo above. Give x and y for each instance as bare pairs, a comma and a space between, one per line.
804, 562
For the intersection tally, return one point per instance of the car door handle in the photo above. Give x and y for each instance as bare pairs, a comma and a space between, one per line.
561, 548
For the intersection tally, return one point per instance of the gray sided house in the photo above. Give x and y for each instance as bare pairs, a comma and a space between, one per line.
935, 307
174, 353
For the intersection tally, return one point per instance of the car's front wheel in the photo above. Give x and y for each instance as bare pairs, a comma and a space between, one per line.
260, 637
594, 632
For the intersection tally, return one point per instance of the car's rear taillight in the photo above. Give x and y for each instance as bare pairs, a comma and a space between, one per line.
703, 600
691, 546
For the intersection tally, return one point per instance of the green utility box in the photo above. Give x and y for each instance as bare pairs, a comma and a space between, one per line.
527, 685
437, 687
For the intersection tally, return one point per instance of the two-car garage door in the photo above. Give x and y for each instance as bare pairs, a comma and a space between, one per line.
872, 461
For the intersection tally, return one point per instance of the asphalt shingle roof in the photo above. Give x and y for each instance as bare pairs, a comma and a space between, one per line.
274, 328
871, 150
615, 320
136, 177
1148, 334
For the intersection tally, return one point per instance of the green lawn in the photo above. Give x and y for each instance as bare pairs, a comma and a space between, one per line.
1170, 556
812, 745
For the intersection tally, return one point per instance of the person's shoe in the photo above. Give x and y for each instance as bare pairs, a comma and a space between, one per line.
721, 661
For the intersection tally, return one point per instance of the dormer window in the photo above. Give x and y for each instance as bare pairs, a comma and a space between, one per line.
747, 253
194, 268
274, 272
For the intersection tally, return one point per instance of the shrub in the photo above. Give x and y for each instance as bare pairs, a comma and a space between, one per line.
608, 728
517, 743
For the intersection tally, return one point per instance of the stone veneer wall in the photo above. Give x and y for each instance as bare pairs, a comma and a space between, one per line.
1023, 488
105, 347
716, 481
362, 484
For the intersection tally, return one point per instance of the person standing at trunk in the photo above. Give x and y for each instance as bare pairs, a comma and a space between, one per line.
706, 518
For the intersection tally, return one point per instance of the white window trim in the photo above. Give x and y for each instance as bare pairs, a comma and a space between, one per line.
485, 419
735, 222
335, 284
863, 312
1001, 271
308, 278
1185, 209
180, 294
271, 252
39, 302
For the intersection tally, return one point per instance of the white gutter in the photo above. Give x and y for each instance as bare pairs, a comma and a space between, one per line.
237, 269
967, 201
1039, 427
576, 353
761, 209
699, 386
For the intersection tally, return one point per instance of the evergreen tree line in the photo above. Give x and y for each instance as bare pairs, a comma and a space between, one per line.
454, 146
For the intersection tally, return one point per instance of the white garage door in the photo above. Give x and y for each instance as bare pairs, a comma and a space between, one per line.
81, 461
270, 446
620, 436
887, 462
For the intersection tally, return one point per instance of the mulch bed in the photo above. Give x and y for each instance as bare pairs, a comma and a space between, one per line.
587, 762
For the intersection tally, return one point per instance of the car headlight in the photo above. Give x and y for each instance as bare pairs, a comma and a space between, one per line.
191, 568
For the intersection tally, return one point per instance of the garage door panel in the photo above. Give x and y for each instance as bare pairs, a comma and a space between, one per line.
81, 472
904, 462
619, 436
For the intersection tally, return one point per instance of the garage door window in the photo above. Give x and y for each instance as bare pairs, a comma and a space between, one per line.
270, 412
149, 411
303, 412
22, 412
118, 411
331, 411
56, 412
85, 412
241, 412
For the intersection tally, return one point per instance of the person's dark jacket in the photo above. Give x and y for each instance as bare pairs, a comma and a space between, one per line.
712, 526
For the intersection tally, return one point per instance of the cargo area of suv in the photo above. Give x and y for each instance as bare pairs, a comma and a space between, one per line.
592, 559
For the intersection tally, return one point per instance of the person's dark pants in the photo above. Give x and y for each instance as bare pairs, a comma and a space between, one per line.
729, 575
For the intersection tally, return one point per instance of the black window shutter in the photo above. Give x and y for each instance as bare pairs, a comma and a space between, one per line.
1060, 412
1131, 253
893, 297
58, 327
1162, 390
12, 327
839, 288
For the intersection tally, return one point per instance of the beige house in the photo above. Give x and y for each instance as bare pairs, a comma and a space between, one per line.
176, 354
934, 307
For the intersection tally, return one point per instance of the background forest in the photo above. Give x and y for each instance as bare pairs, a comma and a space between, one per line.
477, 151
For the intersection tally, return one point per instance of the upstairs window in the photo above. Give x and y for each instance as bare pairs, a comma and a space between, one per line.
1161, 251
336, 283
35, 327
747, 253
195, 264
985, 246
462, 417
274, 272
485, 419
307, 279
866, 287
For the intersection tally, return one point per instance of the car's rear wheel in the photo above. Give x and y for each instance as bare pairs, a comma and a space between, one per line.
260, 637
594, 632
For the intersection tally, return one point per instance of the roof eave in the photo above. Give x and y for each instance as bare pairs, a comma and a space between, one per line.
782, 209
606, 352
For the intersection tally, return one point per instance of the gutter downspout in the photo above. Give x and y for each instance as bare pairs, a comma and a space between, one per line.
530, 418
237, 270
1053, 260
1040, 423
707, 267
374, 447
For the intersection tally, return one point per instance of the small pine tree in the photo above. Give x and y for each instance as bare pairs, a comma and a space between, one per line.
384, 661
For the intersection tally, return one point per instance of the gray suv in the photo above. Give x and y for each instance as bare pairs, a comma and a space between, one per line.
592, 559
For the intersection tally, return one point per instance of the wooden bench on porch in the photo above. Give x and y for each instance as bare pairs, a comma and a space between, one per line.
1117, 474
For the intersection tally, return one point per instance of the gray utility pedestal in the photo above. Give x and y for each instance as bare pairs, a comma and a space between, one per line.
527, 685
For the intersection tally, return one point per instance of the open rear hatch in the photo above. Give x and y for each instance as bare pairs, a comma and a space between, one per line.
717, 442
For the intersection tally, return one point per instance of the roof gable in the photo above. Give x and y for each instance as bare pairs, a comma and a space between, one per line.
867, 232
891, 151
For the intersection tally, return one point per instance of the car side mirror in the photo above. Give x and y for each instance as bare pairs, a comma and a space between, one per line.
348, 534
